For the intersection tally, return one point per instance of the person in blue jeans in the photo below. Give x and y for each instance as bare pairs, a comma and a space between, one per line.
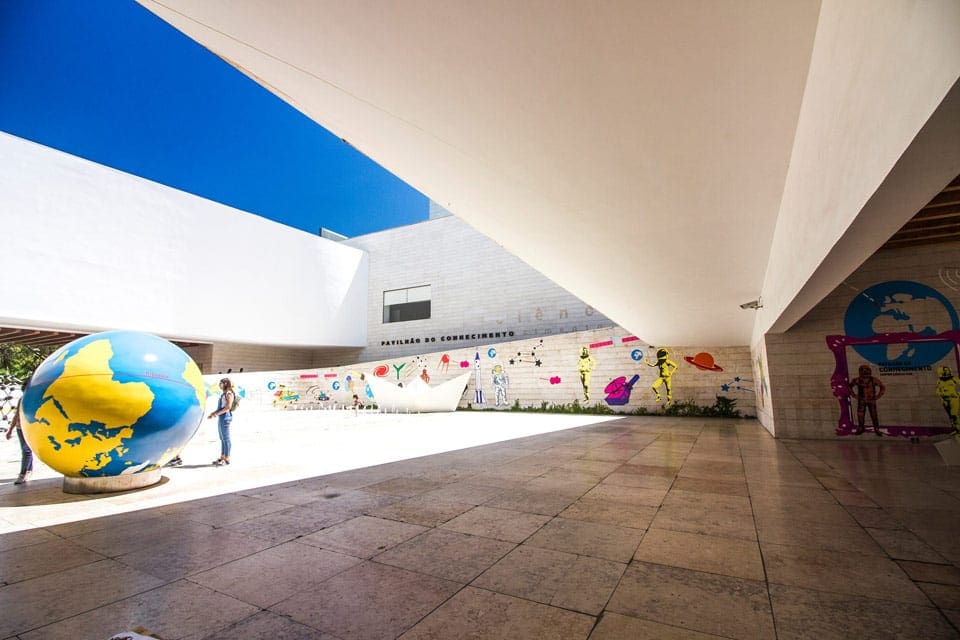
26, 455
224, 417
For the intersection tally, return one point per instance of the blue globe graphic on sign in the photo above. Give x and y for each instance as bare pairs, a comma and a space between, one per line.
901, 306
112, 403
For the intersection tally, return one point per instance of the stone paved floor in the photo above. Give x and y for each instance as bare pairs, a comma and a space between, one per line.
621, 529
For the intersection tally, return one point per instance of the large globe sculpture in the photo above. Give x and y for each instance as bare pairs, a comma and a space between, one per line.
111, 405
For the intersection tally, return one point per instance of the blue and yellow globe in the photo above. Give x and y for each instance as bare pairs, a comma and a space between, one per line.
112, 403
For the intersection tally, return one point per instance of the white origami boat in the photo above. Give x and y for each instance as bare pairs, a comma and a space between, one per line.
418, 396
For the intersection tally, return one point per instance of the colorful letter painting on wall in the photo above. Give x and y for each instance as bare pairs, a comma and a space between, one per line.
619, 389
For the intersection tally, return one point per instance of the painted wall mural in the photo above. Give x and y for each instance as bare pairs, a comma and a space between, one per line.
902, 337
585, 367
529, 357
737, 384
619, 389
950, 277
478, 387
703, 361
948, 390
501, 382
665, 368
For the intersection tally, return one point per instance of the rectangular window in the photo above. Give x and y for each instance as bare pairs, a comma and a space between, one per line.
403, 305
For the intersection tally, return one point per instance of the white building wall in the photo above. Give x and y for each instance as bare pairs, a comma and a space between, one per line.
91, 248
477, 288
878, 73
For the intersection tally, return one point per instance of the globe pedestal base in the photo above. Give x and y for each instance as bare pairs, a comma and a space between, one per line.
111, 484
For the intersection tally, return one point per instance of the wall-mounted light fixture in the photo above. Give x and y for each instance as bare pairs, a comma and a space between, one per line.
753, 304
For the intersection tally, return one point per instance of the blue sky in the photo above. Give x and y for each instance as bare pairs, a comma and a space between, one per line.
109, 81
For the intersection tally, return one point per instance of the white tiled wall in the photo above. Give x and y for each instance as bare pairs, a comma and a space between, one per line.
477, 287
555, 380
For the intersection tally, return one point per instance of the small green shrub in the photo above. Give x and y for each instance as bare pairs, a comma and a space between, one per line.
724, 407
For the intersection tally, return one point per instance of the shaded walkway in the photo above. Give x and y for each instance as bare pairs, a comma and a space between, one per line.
631, 528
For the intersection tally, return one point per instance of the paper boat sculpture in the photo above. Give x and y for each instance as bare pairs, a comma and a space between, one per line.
417, 396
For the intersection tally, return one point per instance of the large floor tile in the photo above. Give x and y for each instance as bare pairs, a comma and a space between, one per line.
295, 522
614, 626
839, 572
632, 496
705, 602
706, 519
606, 541
354, 502
924, 572
945, 596
363, 536
804, 614
723, 487
483, 615
464, 492
156, 532
178, 610
266, 625
370, 600
541, 502
817, 535
667, 472
294, 493
26, 538
561, 579
873, 517
731, 503
904, 545
801, 512
40, 601
853, 499
447, 554
713, 554
403, 487
236, 508
179, 558
623, 479
499, 524
22, 563
607, 512
423, 510
275, 574
611, 453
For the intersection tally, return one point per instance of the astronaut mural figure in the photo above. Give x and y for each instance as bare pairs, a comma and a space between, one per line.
948, 390
868, 389
666, 368
500, 383
585, 366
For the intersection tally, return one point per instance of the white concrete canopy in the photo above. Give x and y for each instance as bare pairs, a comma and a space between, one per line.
663, 161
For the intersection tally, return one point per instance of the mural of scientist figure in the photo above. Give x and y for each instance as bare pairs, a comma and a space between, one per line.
666, 368
948, 390
500, 383
585, 366
867, 389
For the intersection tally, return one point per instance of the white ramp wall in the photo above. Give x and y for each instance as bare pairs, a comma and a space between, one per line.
87, 248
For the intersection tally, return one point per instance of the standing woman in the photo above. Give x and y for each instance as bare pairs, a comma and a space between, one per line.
224, 418
26, 455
